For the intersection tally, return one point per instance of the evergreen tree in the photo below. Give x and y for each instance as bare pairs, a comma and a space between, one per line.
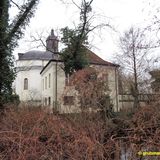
9, 36
74, 53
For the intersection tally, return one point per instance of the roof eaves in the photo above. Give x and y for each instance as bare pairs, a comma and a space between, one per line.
52, 60
105, 64
33, 59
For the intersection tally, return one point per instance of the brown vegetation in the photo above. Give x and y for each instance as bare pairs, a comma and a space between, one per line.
93, 90
33, 134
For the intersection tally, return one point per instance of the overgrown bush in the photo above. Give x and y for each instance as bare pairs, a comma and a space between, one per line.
36, 135
8, 100
13, 98
93, 91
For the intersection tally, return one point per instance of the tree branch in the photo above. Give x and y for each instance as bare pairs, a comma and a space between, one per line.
22, 20
76, 4
16, 4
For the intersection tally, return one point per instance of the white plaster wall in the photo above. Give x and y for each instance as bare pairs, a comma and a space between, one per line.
112, 82
51, 92
34, 80
21, 63
60, 84
113, 85
34, 85
70, 91
47, 92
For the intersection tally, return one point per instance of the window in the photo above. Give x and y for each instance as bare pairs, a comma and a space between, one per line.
105, 77
68, 100
49, 79
26, 84
45, 82
49, 101
45, 101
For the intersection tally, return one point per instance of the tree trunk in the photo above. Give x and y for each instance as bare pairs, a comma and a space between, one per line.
136, 91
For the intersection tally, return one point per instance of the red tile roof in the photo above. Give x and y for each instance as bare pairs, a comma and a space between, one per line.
95, 59
92, 58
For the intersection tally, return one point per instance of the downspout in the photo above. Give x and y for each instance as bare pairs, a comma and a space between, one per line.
56, 87
116, 87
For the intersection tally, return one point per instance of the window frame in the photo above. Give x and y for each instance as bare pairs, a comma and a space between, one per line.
43, 84
49, 101
49, 80
46, 82
25, 83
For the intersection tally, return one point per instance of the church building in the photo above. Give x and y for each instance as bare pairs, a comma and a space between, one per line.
41, 78
29, 65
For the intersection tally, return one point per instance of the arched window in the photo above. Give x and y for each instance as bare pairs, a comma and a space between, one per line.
25, 83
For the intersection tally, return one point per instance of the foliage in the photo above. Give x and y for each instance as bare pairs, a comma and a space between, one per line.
12, 99
73, 54
6, 64
10, 33
21, 20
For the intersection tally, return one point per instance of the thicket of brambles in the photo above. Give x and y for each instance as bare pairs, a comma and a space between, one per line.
31, 133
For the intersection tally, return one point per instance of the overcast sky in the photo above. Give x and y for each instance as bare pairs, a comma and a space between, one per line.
121, 14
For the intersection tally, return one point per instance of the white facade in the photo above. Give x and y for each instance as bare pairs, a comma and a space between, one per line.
112, 80
29, 70
40, 77
54, 91
53, 83
29, 65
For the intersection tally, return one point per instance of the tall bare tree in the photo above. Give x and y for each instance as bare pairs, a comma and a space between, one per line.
134, 48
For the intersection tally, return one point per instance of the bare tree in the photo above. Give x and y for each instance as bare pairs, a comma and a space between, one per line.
134, 47
74, 39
